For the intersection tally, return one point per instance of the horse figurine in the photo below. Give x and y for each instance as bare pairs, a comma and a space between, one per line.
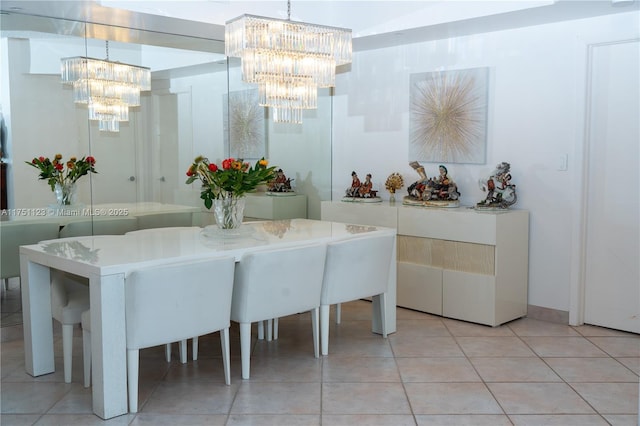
501, 193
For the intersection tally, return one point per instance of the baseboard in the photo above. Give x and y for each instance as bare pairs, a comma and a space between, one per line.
548, 314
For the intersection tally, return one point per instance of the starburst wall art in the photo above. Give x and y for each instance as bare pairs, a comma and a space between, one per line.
448, 116
244, 128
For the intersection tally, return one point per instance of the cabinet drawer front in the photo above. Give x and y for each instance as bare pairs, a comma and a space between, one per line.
469, 257
420, 288
448, 224
468, 297
421, 251
454, 255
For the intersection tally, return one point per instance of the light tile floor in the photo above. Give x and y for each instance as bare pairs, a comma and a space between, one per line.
11, 304
432, 371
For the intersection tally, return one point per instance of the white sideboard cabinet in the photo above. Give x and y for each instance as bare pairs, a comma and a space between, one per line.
261, 206
458, 263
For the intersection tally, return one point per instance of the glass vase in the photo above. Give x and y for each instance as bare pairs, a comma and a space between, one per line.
229, 212
66, 194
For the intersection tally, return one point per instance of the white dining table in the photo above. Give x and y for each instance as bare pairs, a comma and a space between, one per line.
107, 260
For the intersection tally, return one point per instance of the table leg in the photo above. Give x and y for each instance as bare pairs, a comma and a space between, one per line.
36, 317
390, 312
108, 345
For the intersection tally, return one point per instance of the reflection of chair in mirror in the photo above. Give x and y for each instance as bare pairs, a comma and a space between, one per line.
355, 269
16, 234
119, 226
263, 291
69, 299
165, 220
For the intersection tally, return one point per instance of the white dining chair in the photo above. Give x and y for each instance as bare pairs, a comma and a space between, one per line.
272, 283
156, 315
69, 299
14, 234
222, 297
182, 345
354, 269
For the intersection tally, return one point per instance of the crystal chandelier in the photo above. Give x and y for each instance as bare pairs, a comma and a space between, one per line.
107, 88
288, 60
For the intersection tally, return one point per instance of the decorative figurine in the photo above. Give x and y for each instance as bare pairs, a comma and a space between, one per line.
440, 191
361, 192
352, 191
501, 193
280, 185
365, 189
393, 183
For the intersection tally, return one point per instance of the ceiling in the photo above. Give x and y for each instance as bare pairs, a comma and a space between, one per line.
375, 24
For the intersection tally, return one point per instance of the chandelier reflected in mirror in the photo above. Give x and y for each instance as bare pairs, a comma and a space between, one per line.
107, 88
288, 60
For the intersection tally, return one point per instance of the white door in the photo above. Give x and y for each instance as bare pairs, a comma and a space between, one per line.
116, 161
612, 278
167, 147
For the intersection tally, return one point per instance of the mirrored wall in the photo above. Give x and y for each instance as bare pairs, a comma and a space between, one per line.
185, 114
196, 106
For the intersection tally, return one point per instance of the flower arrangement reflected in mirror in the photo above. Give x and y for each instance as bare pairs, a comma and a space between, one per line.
62, 175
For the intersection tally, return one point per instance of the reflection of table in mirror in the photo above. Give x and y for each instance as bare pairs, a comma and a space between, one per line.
95, 211
106, 261
261, 205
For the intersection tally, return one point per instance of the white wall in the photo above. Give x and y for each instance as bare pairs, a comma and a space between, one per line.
535, 117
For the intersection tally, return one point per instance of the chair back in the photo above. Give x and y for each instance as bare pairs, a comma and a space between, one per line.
273, 283
178, 301
15, 234
357, 268
165, 220
119, 226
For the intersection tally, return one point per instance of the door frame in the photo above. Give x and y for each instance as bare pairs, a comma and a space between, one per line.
579, 257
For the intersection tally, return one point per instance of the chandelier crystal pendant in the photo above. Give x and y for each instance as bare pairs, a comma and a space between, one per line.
107, 88
288, 60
